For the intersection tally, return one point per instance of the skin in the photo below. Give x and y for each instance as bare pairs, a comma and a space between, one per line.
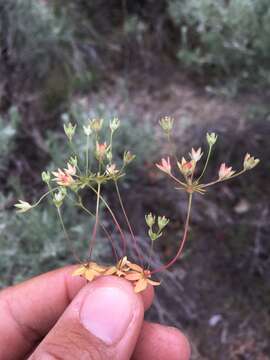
39, 320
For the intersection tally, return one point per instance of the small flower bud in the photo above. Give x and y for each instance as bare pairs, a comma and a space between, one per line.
109, 156
150, 219
186, 167
23, 206
69, 130
87, 130
59, 198
211, 138
46, 176
128, 157
114, 124
153, 236
101, 150
250, 162
73, 161
96, 124
167, 124
162, 222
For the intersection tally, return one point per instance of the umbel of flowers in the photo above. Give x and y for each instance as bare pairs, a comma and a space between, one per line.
77, 175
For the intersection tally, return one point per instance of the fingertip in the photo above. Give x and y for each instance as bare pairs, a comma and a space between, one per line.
148, 296
161, 342
179, 342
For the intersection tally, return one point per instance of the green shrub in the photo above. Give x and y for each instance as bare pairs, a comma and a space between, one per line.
35, 243
39, 54
224, 38
8, 128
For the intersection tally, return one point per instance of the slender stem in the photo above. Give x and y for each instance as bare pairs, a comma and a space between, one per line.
172, 146
182, 242
71, 145
94, 234
111, 142
220, 180
177, 180
114, 219
80, 204
150, 254
206, 163
136, 247
43, 196
87, 155
67, 236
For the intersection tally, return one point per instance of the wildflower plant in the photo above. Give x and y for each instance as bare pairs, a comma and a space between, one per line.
79, 175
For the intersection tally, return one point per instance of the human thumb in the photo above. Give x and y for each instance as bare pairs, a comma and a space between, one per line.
102, 322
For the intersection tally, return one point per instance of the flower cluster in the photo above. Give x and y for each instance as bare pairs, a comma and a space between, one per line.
134, 273
187, 168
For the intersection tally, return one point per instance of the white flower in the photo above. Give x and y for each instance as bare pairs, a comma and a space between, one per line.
250, 162
87, 130
114, 124
196, 155
211, 138
23, 206
111, 169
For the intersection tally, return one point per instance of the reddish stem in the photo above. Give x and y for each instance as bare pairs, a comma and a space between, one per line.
182, 242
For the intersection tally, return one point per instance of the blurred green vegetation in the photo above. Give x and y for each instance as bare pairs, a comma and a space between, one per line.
225, 38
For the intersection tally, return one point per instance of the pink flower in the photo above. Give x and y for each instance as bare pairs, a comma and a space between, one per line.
165, 165
225, 172
62, 178
101, 150
186, 167
71, 170
111, 169
196, 155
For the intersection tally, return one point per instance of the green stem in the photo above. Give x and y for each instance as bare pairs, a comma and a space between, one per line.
87, 155
206, 163
93, 240
67, 236
221, 180
111, 148
150, 254
114, 219
177, 180
128, 223
44, 195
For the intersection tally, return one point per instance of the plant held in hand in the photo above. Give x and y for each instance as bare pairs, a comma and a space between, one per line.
78, 175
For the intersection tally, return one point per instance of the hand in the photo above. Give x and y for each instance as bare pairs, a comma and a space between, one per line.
57, 316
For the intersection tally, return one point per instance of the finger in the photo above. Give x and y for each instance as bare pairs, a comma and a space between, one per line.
102, 322
161, 342
29, 310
